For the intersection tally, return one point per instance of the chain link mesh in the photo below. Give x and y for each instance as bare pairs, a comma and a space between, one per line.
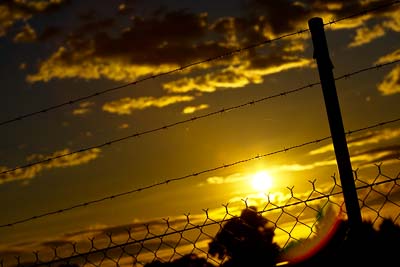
295, 218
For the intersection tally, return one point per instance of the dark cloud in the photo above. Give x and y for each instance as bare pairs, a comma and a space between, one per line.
147, 46
87, 15
171, 38
126, 8
94, 26
380, 154
280, 16
287, 16
26, 35
50, 32
361, 138
34, 7
13, 11
122, 50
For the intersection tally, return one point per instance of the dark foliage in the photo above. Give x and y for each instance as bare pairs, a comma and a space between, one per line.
189, 260
246, 241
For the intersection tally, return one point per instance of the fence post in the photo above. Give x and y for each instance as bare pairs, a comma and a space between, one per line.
325, 66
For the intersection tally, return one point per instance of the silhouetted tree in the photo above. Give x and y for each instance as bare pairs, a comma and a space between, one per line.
246, 241
189, 260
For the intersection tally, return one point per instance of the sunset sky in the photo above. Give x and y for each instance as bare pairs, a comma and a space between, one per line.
99, 55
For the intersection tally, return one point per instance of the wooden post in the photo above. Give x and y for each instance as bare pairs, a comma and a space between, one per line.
325, 66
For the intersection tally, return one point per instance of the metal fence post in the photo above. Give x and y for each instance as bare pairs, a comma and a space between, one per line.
325, 66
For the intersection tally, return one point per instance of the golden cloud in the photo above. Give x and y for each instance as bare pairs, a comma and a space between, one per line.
123, 126
387, 156
391, 82
125, 106
81, 66
395, 55
374, 157
393, 20
210, 82
365, 35
18, 10
125, 57
8, 17
28, 34
233, 178
348, 23
192, 109
38, 5
84, 108
234, 77
34, 170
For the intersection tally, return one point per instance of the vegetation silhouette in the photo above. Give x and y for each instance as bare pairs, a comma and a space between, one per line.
188, 260
247, 240
242, 241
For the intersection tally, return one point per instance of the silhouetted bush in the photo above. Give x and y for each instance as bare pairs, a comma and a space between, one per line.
246, 241
189, 260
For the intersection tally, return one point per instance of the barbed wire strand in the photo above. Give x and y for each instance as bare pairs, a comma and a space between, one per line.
184, 67
167, 126
168, 181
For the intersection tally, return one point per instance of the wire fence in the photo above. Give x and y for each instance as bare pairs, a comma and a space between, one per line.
293, 217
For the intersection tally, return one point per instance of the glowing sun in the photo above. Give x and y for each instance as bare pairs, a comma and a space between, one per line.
261, 181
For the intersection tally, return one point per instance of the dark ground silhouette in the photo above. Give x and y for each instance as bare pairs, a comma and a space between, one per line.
247, 241
189, 260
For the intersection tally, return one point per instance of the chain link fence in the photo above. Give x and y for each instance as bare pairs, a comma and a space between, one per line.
293, 218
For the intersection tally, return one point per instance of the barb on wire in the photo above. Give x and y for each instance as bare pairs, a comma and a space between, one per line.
167, 181
167, 126
184, 67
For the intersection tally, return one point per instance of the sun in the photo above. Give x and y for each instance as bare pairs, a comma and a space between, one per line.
261, 181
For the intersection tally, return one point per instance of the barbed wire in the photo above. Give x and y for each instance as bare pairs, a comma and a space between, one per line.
168, 181
184, 67
167, 126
